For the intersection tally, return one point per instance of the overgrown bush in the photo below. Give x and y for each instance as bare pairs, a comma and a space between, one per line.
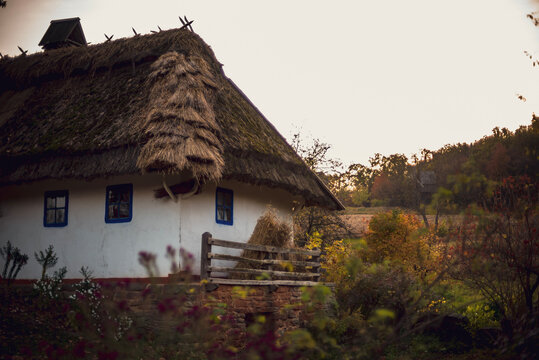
481, 315
401, 239
376, 302
49, 288
317, 339
326, 223
496, 251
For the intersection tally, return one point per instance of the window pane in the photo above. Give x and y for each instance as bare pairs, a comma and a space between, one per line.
50, 202
124, 196
224, 206
220, 214
227, 199
113, 196
124, 210
60, 201
219, 198
50, 216
119, 203
60, 219
113, 211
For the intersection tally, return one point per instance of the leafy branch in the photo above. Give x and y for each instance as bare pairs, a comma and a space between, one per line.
47, 259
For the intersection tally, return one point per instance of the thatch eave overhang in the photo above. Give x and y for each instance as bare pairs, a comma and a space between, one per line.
321, 197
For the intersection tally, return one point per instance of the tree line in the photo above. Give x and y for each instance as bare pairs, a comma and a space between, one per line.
433, 181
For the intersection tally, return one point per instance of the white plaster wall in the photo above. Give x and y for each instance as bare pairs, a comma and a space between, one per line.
250, 202
110, 250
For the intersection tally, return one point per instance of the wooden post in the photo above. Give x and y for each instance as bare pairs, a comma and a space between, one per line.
204, 261
266, 257
316, 269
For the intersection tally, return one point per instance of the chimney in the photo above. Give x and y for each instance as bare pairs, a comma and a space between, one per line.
63, 33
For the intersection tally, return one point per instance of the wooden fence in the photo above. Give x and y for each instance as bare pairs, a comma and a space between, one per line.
265, 266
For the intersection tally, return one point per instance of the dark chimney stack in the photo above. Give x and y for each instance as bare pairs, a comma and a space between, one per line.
63, 33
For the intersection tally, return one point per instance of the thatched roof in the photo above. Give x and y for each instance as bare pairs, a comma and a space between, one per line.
154, 103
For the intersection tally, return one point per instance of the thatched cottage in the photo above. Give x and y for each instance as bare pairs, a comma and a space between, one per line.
136, 144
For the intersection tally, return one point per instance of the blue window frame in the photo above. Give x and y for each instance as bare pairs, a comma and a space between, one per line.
119, 203
55, 208
224, 206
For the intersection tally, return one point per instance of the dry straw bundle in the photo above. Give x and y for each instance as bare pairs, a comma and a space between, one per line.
269, 231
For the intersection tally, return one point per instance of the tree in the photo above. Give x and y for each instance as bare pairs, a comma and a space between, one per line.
498, 164
395, 181
315, 155
497, 252
387, 178
313, 220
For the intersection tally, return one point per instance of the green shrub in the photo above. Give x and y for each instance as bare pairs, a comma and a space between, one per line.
50, 287
481, 315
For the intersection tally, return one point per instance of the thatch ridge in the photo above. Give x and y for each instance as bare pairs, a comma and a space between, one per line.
21, 72
154, 103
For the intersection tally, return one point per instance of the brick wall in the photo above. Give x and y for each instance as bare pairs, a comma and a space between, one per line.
280, 305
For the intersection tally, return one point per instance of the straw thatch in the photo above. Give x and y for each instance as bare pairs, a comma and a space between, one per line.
149, 104
270, 231
181, 128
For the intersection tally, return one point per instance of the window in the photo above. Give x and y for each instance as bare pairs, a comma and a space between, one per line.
224, 209
119, 204
55, 213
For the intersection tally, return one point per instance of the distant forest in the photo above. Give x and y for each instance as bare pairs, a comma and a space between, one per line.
446, 179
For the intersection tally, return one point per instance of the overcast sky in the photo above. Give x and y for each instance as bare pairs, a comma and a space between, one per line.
371, 76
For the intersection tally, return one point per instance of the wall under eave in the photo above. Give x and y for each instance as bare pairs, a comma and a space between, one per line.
111, 250
250, 202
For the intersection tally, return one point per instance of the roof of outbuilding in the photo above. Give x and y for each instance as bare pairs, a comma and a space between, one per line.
153, 103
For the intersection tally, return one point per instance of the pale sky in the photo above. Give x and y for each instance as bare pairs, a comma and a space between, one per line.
387, 76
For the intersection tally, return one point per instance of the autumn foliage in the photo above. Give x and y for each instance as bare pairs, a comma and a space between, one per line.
400, 238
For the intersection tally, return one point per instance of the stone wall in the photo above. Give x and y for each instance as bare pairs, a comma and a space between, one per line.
281, 306
156, 306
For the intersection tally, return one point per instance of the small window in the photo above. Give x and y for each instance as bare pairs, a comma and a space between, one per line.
119, 204
224, 209
55, 213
